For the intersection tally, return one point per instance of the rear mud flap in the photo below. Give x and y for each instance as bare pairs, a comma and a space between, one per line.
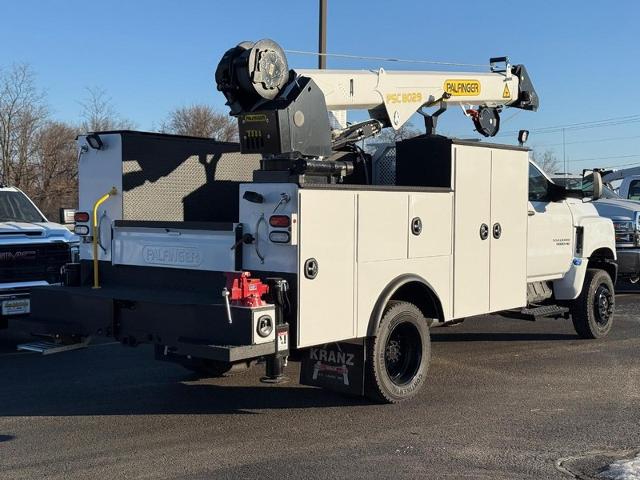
335, 366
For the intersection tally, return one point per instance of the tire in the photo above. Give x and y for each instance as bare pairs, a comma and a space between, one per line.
592, 312
398, 356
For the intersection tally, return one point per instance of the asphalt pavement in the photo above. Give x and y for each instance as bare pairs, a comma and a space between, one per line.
506, 399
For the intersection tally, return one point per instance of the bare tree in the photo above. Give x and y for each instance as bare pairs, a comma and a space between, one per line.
201, 120
99, 114
22, 113
547, 161
389, 135
56, 182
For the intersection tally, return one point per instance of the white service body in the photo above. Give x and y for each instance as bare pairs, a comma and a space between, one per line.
362, 241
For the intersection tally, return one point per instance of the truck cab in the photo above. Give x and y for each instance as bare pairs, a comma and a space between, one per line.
625, 215
563, 224
32, 252
629, 187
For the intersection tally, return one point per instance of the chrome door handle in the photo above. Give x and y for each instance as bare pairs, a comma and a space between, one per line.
484, 231
497, 231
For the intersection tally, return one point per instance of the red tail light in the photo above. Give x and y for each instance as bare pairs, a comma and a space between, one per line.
81, 217
279, 221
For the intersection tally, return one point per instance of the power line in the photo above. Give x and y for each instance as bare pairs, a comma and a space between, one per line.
606, 122
625, 165
579, 126
607, 139
387, 59
603, 158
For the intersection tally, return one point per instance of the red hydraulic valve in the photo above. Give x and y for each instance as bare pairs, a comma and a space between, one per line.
245, 291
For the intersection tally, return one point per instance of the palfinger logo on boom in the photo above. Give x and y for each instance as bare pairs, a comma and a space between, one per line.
462, 88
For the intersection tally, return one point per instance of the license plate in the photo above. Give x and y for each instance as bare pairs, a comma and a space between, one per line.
16, 307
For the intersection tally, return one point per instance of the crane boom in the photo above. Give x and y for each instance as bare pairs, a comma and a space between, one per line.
283, 111
401, 93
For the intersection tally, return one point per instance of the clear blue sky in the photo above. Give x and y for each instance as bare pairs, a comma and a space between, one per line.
152, 56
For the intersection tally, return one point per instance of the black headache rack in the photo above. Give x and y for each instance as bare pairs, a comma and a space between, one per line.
138, 305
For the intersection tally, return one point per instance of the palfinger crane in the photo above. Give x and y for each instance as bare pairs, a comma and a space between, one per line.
284, 113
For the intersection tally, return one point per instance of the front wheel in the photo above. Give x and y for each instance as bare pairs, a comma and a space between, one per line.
592, 311
398, 357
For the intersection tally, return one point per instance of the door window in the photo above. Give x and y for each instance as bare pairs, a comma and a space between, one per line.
634, 190
538, 185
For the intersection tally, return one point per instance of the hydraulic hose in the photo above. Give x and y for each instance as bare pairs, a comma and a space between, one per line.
96, 233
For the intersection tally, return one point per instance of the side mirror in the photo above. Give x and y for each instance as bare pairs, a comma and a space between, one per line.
597, 186
67, 216
592, 185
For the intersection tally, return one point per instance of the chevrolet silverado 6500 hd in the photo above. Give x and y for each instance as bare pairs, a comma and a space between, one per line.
318, 253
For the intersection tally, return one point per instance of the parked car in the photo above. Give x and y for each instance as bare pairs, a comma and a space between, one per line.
32, 252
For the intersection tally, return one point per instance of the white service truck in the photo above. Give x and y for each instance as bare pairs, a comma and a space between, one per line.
343, 260
32, 252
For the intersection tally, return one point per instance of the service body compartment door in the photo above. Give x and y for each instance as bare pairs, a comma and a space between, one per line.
430, 224
472, 225
327, 244
508, 234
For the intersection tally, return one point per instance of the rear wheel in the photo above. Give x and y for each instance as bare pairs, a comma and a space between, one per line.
592, 312
398, 357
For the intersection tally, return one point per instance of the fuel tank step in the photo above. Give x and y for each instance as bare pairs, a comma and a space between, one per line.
534, 313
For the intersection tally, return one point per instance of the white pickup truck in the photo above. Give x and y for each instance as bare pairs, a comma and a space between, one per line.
32, 252
304, 244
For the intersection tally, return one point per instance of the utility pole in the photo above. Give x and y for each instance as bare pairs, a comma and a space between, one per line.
322, 35
564, 155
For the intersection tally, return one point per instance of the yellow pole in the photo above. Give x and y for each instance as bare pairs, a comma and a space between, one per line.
100, 201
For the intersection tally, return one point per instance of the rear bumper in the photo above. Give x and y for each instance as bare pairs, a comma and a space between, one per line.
628, 262
184, 323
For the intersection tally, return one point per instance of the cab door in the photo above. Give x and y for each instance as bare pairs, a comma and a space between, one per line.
550, 231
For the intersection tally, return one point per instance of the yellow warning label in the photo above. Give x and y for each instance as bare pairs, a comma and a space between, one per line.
462, 88
506, 93
407, 97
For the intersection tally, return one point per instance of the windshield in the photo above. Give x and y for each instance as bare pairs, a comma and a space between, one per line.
586, 185
568, 182
16, 207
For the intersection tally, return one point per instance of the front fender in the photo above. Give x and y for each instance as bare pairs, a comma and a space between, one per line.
598, 234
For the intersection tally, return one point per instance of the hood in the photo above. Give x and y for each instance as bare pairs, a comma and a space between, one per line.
46, 230
609, 207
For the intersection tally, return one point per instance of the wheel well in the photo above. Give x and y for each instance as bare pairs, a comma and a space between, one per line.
412, 289
603, 258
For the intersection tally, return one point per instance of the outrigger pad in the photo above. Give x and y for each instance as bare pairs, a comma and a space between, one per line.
335, 366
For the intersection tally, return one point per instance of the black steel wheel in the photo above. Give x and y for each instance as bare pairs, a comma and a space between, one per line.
398, 357
592, 312
403, 353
